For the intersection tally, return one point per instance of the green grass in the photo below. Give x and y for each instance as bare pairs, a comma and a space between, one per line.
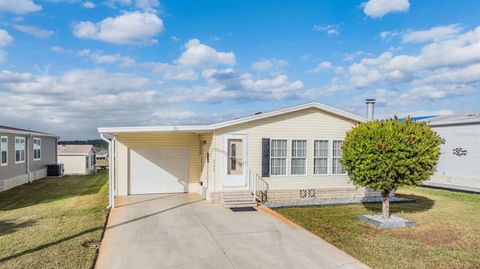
447, 233
53, 223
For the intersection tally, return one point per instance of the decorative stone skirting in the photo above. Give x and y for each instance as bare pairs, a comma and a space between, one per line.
22, 179
318, 196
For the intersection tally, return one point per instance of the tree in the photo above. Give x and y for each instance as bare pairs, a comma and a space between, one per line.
384, 155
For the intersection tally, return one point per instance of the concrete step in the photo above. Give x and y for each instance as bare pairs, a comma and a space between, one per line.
233, 199
236, 193
245, 204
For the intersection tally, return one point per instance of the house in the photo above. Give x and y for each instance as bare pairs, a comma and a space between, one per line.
77, 159
101, 160
459, 163
24, 155
290, 156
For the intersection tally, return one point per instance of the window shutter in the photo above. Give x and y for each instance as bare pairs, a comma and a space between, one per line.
265, 157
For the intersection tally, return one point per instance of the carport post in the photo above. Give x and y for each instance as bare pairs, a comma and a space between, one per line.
111, 169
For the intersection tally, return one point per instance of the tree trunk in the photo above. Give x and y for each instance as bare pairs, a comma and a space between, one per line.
385, 205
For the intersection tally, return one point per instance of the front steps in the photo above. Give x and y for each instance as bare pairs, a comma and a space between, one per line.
236, 199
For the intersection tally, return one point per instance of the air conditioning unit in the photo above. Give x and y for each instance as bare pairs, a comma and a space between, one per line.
55, 170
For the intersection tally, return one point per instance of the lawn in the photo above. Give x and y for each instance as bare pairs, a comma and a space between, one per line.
447, 233
53, 223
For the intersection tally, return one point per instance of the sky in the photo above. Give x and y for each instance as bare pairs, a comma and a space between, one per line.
70, 66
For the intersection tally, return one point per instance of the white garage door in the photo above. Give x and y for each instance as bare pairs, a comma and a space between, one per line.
158, 170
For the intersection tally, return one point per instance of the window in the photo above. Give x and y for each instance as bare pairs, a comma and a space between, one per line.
278, 157
4, 150
235, 157
299, 156
93, 160
87, 162
19, 149
337, 167
320, 157
37, 146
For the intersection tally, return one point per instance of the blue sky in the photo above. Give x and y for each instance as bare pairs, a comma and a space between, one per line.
69, 66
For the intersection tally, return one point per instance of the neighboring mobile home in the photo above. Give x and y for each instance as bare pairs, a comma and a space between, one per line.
293, 152
24, 156
459, 163
77, 159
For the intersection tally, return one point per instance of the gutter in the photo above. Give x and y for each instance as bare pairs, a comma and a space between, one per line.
111, 168
27, 157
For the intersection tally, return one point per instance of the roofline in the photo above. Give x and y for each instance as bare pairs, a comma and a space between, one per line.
10, 131
454, 123
211, 127
165, 128
75, 154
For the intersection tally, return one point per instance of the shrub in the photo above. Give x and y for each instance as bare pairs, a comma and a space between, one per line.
387, 154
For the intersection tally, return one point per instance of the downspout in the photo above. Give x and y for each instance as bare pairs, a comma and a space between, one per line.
27, 157
111, 173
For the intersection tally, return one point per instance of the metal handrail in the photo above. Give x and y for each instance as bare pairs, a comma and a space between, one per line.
258, 186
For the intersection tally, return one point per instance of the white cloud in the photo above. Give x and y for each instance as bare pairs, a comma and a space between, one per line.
18, 6
88, 4
267, 65
331, 30
97, 57
172, 71
322, 66
34, 30
442, 70
5, 40
435, 33
379, 8
128, 28
197, 54
149, 5
231, 84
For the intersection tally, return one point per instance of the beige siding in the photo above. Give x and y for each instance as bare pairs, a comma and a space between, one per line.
133, 140
73, 164
309, 124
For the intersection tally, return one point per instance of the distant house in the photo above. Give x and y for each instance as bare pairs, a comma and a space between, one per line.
459, 164
77, 159
24, 155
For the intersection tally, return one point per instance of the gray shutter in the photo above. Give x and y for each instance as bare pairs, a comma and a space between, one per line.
265, 157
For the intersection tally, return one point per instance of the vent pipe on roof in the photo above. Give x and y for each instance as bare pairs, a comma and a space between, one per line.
370, 108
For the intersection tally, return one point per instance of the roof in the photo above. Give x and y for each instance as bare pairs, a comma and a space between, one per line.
8, 129
211, 127
458, 119
75, 149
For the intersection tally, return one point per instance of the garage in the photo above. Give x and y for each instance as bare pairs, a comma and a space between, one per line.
159, 170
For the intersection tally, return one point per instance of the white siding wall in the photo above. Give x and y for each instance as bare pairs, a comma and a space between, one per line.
454, 169
73, 164
307, 124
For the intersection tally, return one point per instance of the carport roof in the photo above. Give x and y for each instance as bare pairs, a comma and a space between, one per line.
211, 127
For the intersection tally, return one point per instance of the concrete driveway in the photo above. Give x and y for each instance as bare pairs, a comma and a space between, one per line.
184, 231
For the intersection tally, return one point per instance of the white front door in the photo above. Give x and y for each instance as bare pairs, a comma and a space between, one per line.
235, 168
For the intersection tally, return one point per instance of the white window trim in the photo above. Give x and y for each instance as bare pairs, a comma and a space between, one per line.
329, 170
24, 149
1, 150
287, 157
38, 139
290, 156
331, 152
